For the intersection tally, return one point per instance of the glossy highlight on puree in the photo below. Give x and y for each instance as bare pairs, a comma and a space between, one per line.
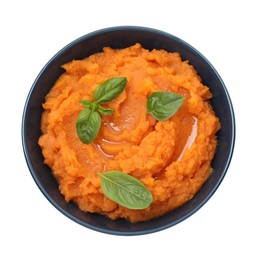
171, 158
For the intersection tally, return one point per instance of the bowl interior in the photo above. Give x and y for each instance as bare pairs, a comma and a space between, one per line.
121, 37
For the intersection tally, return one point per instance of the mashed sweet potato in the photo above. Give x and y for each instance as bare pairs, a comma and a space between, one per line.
171, 158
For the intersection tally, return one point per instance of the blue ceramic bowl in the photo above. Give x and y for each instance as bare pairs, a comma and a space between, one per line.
121, 37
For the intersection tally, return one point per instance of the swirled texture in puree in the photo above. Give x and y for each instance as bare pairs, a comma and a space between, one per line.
172, 157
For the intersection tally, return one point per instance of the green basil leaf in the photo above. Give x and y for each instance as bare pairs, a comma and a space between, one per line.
89, 104
109, 90
86, 103
105, 111
87, 125
163, 105
125, 190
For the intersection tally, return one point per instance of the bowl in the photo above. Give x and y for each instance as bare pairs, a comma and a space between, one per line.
121, 37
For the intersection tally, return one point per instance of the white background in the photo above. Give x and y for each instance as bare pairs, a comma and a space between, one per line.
227, 33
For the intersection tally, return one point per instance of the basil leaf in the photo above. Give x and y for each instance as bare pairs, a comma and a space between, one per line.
89, 121
109, 90
86, 103
105, 111
87, 125
125, 190
163, 105
89, 104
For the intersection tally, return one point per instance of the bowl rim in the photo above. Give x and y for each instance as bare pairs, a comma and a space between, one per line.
109, 30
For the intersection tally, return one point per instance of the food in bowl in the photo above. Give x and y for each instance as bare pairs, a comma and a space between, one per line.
171, 158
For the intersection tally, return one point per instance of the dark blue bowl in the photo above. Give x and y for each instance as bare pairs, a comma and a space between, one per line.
121, 37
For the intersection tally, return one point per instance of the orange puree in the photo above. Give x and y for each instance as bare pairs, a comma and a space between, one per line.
172, 157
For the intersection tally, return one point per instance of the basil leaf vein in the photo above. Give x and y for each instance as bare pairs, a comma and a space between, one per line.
163, 105
87, 125
86, 103
125, 190
105, 111
109, 90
